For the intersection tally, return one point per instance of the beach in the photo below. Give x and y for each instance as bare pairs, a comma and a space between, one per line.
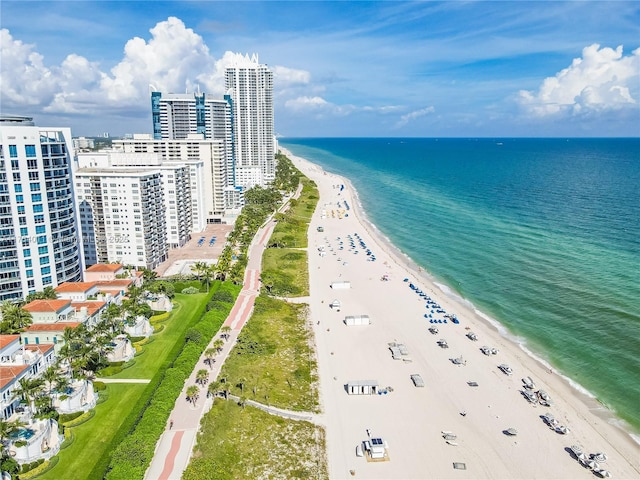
411, 420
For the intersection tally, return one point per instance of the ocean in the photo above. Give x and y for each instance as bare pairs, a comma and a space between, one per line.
541, 235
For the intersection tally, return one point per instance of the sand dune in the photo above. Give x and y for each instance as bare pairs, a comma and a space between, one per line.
410, 419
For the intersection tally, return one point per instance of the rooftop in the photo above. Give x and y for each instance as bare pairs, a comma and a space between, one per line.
71, 287
51, 327
7, 339
104, 267
46, 305
7, 374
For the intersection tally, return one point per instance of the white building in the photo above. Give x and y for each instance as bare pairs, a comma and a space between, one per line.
39, 238
250, 86
83, 143
122, 215
210, 177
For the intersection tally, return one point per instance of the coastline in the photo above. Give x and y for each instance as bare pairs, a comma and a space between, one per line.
576, 401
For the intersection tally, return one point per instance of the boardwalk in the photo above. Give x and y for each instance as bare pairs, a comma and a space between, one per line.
176, 443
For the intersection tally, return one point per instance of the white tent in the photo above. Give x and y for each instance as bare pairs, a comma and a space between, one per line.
357, 320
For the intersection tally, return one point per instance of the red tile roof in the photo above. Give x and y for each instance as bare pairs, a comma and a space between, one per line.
51, 327
72, 287
40, 347
92, 307
7, 339
46, 305
7, 374
104, 267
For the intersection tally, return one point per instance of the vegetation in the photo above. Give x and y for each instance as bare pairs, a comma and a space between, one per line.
14, 318
247, 443
272, 361
133, 455
94, 439
285, 271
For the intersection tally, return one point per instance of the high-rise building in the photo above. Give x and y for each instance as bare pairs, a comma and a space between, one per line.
178, 116
123, 215
250, 86
39, 238
210, 184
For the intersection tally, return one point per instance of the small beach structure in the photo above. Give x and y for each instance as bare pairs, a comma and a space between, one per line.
398, 350
342, 285
376, 449
362, 387
357, 320
417, 380
336, 305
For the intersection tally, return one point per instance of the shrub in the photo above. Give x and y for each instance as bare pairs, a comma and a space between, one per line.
158, 329
190, 290
67, 417
223, 296
136, 339
99, 386
43, 468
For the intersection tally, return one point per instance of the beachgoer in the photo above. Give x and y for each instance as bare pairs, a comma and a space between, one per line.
170, 424
368, 433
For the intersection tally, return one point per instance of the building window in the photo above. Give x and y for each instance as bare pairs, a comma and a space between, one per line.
39, 218
42, 239
41, 229
21, 209
44, 260
17, 188
30, 151
19, 199
46, 280
29, 273
34, 187
43, 250
26, 252
16, 176
37, 208
28, 263
13, 151
36, 197
24, 232
45, 270
15, 165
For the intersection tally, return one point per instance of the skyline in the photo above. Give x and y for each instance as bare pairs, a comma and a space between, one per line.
396, 69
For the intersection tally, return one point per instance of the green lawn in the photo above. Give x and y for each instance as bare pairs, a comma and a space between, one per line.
93, 438
274, 357
236, 443
155, 353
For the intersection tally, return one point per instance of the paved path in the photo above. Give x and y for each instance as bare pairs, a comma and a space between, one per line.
175, 446
281, 412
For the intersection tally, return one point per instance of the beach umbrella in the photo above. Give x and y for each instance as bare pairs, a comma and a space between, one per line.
592, 464
603, 473
582, 458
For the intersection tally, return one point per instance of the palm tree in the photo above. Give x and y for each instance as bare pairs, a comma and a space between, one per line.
241, 382
29, 389
218, 345
14, 318
225, 331
215, 388
202, 376
51, 375
193, 392
148, 276
209, 353
6, 430
199, 268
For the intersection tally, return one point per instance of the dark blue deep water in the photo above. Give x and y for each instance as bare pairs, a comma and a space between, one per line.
542, 235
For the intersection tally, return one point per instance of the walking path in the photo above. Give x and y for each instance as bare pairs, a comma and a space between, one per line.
175, 446
281, 412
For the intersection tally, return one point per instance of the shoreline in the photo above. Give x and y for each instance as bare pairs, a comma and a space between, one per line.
570, 391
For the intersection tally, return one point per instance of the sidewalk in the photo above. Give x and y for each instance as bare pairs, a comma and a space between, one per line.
175, 446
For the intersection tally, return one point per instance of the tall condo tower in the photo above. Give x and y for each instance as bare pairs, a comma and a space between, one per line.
250, 86
39, 239
178, 116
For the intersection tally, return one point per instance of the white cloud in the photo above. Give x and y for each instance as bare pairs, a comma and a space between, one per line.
306, 103
602, 80
404, 119
284, 76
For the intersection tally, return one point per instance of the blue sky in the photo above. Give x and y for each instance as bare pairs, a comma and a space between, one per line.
429, 69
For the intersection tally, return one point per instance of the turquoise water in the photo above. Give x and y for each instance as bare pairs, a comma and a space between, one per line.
542, 235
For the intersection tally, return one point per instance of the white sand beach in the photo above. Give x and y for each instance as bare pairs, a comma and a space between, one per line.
411, 419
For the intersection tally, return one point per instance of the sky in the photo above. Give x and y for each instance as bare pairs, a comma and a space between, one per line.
341, 69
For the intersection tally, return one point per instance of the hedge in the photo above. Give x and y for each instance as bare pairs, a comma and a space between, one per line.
85, 417
159, 318
133, 456
67, 417
42, 469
